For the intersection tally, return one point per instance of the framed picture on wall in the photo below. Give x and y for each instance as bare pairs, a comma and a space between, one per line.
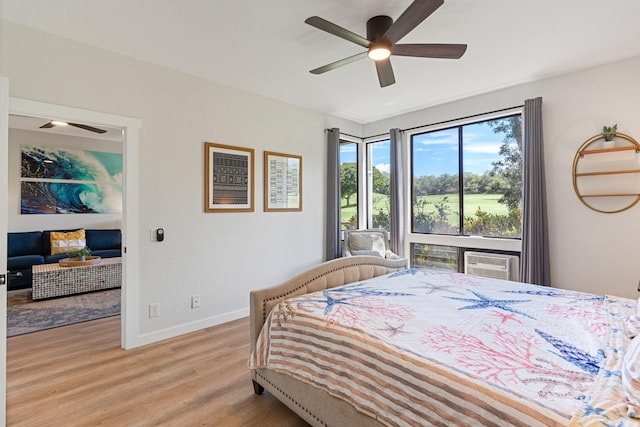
282, 182
229, 179
60, 180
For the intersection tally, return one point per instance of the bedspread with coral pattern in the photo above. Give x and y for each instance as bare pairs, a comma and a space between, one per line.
428, 347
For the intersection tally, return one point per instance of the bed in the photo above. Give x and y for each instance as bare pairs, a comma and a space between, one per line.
366, 341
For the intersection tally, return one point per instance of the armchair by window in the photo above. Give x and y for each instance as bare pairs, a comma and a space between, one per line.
367, 242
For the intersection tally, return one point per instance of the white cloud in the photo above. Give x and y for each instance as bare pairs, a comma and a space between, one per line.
383, 167
484, 147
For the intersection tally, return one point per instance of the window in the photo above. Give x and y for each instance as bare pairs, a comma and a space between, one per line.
435, 256
467, 179
379, 168
348, 185
365, 199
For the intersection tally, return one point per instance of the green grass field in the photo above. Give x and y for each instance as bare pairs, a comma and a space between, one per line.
486, 202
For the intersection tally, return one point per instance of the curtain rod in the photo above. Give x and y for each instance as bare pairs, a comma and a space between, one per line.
352, 136
438, 123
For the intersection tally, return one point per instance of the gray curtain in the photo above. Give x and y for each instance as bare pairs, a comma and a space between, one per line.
332, 226
396, 193
534, 259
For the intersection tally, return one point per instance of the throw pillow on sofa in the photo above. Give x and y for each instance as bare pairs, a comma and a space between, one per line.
62, 243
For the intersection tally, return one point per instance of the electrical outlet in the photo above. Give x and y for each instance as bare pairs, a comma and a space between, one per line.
154, 310
195, 301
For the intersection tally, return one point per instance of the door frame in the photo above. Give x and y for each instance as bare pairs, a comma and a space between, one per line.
130, 227
4, 194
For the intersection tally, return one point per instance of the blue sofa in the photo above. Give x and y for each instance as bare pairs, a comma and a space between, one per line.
26, 249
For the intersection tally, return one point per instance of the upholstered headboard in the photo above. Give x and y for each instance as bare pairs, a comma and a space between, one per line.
327, 275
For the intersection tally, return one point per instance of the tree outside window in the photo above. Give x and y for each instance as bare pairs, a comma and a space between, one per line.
348, 185
379, 167
467, 180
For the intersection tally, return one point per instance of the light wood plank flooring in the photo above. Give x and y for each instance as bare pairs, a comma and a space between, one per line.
79, 376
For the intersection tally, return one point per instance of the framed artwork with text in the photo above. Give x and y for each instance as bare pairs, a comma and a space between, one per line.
229, 178
282, 182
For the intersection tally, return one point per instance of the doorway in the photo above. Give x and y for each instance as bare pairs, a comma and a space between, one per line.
62, 177
130, 131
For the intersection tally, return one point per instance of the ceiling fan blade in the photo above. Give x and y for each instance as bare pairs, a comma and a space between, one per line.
339, 63
446, 51
87, 127
417, 12
336, 30
385, 72
47, 125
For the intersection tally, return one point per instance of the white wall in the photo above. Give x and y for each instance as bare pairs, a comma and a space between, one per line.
18, 222
590, 251
220, 256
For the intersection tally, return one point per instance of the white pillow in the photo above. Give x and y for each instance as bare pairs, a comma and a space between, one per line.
631, 373
370, 242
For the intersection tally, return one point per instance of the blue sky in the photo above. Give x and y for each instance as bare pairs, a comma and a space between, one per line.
436, 153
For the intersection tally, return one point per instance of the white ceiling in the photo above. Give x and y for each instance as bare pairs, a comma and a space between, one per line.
266, 48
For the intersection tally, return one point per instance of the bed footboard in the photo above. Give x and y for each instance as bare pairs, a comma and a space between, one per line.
314, 405
327, 275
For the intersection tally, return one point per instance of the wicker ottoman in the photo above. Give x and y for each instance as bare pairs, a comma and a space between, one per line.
52, 280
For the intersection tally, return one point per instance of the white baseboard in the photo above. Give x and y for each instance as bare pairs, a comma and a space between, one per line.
186, 328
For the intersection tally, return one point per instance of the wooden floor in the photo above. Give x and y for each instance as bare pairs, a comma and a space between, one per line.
79, 376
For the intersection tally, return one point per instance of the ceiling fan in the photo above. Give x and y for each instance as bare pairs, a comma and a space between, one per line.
53, 123
382, 36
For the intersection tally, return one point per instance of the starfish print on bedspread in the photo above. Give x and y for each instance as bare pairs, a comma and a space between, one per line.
351, 295
505, 316
487, 302
393, 330
431, 288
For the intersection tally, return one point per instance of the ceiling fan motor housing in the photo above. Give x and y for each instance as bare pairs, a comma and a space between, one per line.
377, 26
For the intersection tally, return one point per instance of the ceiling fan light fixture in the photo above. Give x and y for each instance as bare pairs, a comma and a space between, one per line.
383, 35
59, 123
378, 53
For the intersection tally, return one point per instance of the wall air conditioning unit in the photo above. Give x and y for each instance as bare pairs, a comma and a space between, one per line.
498, 266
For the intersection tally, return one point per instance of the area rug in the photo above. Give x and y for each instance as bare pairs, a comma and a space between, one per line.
25, 315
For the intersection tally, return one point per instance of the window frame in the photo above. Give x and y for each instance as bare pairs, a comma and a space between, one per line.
368, 193
461, 241
360, 181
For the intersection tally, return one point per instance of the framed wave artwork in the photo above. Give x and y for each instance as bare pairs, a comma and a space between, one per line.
65, 181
